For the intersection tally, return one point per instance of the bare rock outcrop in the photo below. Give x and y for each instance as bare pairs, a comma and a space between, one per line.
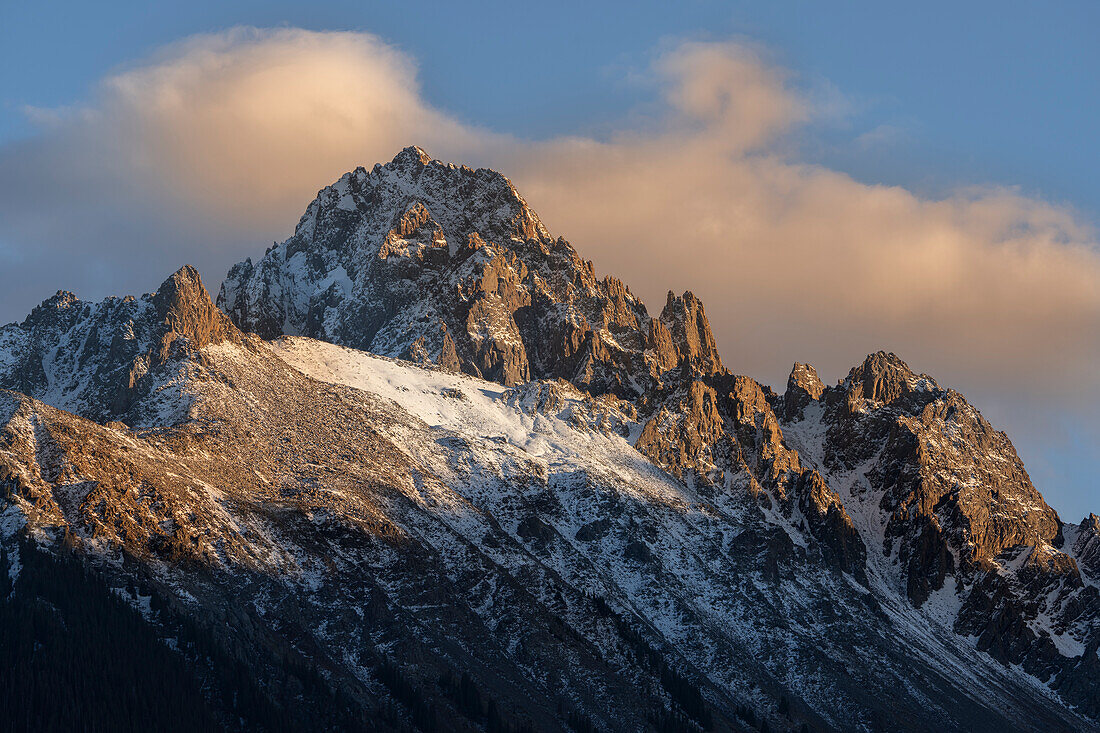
187, 312
687, 322
831, 525
1086, 546
883, 379
687, 436
803, 387
447, 264
98, 359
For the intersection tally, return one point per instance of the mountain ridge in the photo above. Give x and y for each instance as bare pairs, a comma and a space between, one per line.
702, 548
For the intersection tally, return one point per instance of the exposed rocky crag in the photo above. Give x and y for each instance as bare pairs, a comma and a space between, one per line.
442, 264
962, 528
104, 360
1085, 546
533, 486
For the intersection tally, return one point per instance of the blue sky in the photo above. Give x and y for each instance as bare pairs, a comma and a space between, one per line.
933, 97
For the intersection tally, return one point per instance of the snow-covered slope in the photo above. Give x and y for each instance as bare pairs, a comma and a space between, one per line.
550, 424
550, 421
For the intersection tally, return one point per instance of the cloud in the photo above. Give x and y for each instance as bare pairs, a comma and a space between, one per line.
880, 137
727, 94
245, 123
985, 286
202, 154
212, 148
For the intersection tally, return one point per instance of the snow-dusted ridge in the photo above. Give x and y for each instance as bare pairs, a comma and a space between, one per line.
488, 414
533, 482
551, 423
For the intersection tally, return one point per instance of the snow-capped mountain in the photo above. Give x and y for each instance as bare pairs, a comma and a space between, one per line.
429, 472
443, 264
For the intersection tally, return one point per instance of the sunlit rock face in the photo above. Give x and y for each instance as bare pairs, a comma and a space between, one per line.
423, 451
101, 360
442, 264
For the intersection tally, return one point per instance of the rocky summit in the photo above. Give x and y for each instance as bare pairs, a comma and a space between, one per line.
441, 264
421, 469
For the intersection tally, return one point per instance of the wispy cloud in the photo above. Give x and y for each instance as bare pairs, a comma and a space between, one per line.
881, 137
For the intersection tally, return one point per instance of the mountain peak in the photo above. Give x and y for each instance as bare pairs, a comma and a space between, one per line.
883, 378
411, 155
185, 307
97, 359
57, 306
185, 284
60, 299
804, 376
422, 259
881, 361
461, 201
803, 387
687, 321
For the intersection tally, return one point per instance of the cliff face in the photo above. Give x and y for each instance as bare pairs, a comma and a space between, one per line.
449, 463
961, 527
442, 264
1085, 545
103, 360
